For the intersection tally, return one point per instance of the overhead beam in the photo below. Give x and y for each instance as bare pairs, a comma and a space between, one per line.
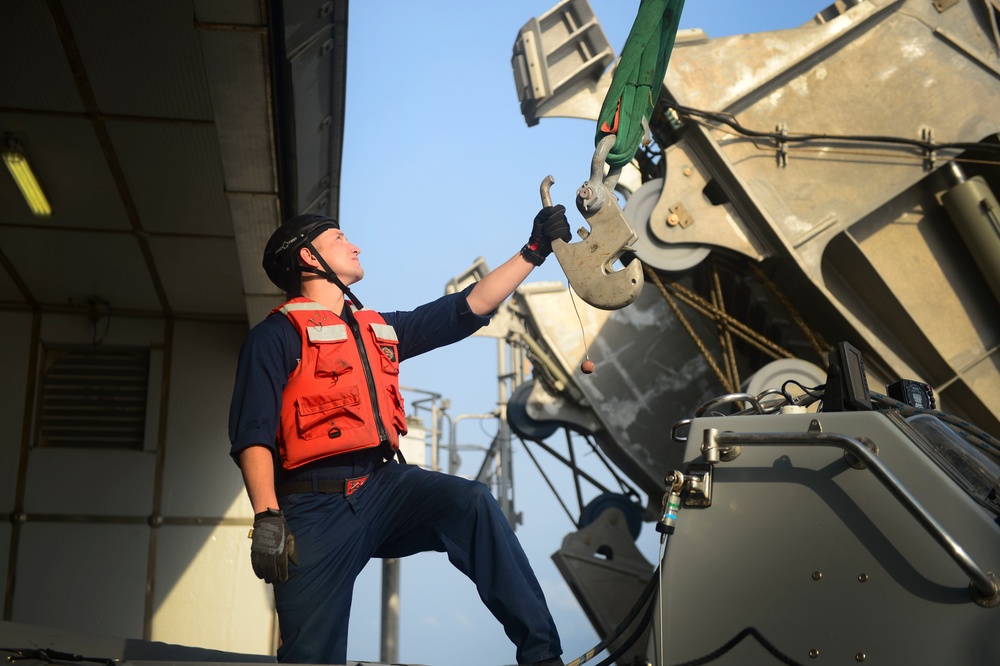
86, 92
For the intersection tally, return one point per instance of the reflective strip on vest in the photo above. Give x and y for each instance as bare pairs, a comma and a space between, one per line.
331, 333
384, 332
304, 305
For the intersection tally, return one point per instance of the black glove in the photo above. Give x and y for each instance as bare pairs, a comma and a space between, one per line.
272, 546
550, 224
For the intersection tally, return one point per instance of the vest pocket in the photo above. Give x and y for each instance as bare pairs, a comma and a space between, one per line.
396, 405
329, 414
388, 346
331, 361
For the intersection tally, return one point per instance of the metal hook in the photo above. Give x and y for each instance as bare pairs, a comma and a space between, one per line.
546, 185
593, 193
588, 264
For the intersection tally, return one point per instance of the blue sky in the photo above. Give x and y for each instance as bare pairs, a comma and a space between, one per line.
439, 168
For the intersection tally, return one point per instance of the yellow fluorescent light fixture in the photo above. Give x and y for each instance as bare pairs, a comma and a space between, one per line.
19, 168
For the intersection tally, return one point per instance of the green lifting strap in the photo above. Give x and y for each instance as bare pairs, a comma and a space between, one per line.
638, 77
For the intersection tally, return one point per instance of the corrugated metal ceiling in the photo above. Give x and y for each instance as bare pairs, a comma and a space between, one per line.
171, 138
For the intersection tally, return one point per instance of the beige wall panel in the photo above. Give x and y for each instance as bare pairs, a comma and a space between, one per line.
91, 482
214, 601
84, 577
64, 329
200, 478
94, 481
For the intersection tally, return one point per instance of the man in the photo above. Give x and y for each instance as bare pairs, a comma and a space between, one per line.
315, 422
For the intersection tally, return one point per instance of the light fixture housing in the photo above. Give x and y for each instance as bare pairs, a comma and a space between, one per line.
20, 169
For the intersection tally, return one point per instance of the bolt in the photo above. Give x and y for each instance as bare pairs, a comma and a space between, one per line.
813, 653
687, 171
863, 578
860, 657
817, 575
674, 219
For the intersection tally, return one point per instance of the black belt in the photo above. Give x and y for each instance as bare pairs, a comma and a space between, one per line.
346, 486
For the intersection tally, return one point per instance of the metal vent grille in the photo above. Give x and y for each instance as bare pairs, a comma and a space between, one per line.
93, 398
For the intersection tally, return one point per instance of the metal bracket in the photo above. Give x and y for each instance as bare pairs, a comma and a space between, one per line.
943, 5
679, 216
699, 485
930, 155
781, 157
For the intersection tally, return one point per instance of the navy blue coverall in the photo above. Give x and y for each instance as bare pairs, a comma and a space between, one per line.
399, 510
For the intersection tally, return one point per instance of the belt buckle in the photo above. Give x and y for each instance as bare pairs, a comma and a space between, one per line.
351, 486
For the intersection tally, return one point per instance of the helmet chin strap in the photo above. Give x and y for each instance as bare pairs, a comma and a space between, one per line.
330, 276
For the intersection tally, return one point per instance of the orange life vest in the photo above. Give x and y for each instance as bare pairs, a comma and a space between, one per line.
344, 394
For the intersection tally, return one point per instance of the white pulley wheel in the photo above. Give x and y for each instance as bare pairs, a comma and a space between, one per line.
776, 373
651, 250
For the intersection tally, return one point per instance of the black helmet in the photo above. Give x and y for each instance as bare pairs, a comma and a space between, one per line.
281, 254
